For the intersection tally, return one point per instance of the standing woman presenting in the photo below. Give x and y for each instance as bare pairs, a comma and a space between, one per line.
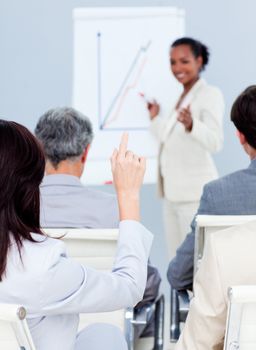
187, 138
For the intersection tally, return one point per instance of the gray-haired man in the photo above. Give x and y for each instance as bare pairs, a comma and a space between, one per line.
66, 135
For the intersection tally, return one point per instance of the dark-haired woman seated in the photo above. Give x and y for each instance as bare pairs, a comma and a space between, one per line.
35, 270
187, 138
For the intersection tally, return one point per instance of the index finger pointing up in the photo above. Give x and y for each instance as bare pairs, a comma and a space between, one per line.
123, 144
187, 108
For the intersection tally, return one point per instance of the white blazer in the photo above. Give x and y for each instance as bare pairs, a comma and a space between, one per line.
55, 289
229, 260
185, 163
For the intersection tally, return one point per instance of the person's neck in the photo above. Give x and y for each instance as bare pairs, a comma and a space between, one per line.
187, 87
65, 168
253, 155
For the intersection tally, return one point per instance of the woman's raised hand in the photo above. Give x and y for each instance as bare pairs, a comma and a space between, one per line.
128, 171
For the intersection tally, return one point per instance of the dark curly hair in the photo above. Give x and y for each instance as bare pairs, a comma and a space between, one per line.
243, 114
198, 49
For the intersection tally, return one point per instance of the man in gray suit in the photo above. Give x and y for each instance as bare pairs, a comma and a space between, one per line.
234, 194
66, 135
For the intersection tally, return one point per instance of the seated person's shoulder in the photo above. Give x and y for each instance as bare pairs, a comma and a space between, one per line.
99, 194
227, 182
104, 208
211, 91
103, 199
45, 251
232, 194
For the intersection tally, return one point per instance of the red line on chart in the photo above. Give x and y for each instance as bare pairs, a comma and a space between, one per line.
142, 50
126, 91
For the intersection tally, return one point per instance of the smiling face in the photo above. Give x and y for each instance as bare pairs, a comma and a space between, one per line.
184, 65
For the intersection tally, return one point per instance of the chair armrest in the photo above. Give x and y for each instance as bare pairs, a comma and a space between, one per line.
143, 314
179, 302
183, 298
159, 323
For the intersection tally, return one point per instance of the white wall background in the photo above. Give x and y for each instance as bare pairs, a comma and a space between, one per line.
36, 65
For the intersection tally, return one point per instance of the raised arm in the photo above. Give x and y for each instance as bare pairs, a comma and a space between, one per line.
128, 171
79, 289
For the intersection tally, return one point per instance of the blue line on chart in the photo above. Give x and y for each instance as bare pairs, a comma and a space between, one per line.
141, 50
99, 76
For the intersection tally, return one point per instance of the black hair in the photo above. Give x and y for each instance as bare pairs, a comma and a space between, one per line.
22, 165
198, 49
243, 114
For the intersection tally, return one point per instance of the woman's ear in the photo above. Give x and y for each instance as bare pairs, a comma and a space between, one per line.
199, 62
241, 137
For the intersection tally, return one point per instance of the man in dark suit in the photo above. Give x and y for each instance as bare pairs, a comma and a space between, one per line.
234, 194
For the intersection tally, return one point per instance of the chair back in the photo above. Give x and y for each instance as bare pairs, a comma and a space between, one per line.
14, 331
206, 224
241, 319
94, 248
91, 247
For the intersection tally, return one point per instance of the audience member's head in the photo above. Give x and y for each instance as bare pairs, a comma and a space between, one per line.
66, 135
22, 165
243, 115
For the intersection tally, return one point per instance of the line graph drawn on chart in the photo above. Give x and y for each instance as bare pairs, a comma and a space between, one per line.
121, 61
119, 115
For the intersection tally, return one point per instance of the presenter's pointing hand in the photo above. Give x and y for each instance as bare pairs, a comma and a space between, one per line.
128, 171
185, 118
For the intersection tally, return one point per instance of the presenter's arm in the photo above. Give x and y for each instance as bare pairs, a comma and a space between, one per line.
157, 124
207, 127
69, 287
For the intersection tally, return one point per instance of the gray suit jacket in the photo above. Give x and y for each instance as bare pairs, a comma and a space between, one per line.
55, 289
234, 194
65, 202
